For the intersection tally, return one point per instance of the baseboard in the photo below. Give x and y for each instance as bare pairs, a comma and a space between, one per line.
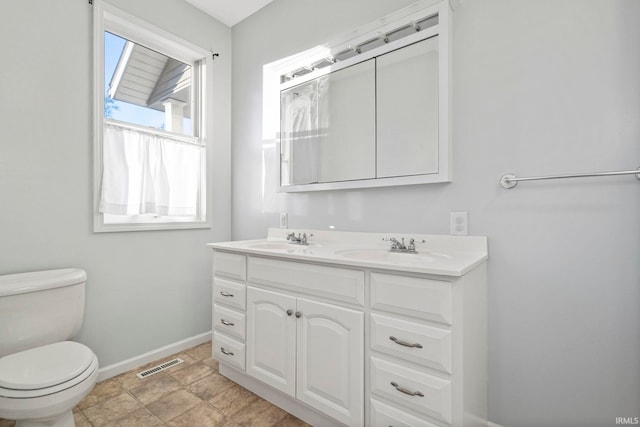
490, 424
137, 361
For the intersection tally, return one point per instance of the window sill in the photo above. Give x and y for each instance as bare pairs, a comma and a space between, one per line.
99, 227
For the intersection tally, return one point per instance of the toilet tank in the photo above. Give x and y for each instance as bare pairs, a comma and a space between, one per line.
40, 308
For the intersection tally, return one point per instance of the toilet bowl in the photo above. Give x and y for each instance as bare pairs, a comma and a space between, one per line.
41, 386
43, 375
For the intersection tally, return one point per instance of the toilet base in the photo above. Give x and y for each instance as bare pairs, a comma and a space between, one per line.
64, 420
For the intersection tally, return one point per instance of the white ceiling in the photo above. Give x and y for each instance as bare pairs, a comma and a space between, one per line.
229, 12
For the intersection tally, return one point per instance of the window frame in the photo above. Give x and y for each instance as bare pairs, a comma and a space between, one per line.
109, 18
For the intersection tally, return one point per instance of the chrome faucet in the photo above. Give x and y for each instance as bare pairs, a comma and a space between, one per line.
399, 246
300, 240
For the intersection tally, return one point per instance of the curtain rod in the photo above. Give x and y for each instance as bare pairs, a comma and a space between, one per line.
509, 180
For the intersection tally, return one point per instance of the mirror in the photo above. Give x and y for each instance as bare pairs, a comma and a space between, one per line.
328, 127
370, 118
347, 123
407, 110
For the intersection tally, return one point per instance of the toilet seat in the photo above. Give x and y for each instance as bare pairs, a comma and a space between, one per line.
45, 370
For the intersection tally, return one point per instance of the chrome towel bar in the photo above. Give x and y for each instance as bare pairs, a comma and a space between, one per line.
509, 180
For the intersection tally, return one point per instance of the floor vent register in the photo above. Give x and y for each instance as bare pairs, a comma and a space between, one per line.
159, 368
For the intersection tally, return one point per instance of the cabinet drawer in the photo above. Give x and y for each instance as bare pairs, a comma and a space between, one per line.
423, 298
229, 322
229, 351
396, 383
339, 284
229, 293
383, 415
426, 345
233, 266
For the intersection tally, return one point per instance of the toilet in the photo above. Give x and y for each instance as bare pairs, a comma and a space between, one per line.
43, 375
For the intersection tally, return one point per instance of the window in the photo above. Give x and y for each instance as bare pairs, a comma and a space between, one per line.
150, 145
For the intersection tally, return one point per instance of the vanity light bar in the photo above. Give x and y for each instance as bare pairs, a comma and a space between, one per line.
351, 51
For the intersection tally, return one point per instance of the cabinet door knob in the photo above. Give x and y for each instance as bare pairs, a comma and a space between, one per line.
289, 312
298, 314
404, 343
228, 353
405, 390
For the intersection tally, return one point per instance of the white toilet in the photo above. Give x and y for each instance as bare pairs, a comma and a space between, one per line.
43, 376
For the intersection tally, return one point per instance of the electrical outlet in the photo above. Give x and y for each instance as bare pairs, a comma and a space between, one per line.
459, 225
284, 220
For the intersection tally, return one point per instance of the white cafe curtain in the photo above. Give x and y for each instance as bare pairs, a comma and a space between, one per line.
146, 173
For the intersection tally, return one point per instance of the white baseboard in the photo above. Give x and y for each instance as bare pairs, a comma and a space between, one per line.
490, 424
137, 361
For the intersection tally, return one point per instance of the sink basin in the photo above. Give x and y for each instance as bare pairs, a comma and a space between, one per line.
386, 256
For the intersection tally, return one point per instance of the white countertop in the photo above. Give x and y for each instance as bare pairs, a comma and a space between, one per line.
439, 255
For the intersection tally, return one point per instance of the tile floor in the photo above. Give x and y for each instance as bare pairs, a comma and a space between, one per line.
190, 394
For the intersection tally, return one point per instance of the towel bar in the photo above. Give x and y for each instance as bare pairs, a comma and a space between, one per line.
509, 180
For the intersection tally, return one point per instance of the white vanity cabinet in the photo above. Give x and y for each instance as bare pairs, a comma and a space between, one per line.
304, 330
428, 342
400, 305
309, 350
337, 341
229, 304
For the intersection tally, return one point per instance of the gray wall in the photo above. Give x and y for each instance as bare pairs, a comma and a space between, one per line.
145, 290
540, 87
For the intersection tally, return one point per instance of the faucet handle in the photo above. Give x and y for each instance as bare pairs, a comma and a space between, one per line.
395, 244
412, 244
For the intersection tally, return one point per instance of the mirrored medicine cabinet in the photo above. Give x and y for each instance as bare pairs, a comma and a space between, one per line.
379, 116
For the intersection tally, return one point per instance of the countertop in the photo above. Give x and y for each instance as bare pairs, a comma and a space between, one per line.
438, 254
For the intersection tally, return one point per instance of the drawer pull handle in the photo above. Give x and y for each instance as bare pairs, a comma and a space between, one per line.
228, 353
404, 343
226, 323
406, 391
225, 294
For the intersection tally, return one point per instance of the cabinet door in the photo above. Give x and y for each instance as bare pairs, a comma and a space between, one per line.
330, 360
271, 338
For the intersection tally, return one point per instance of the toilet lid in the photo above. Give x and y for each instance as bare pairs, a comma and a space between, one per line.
44, 366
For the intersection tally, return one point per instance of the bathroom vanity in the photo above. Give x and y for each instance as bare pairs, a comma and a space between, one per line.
345, 331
